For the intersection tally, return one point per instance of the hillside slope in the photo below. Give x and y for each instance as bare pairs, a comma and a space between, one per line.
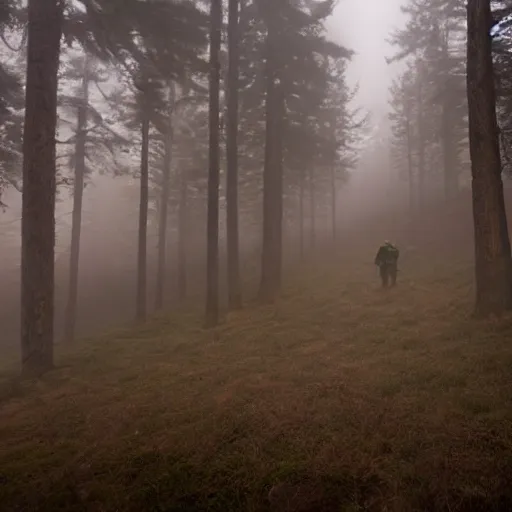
341, 397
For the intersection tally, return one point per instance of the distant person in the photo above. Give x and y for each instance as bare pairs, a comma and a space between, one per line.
387, 261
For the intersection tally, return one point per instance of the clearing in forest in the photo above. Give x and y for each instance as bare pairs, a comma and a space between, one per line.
340, 397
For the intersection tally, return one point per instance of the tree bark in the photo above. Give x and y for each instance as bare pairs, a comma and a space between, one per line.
301, 214
164, 204
141, 312
333, 204
39, 184
78, 194
272, 175
233, 256
493, 266
279, 172
410, 170
182, 236
212, 265
312, 207
451, 172
421, 142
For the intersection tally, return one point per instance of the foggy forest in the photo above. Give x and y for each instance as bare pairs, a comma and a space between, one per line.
255, 255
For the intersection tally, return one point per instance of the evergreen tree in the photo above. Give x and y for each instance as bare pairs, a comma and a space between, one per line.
78, 188
164, 195
434, 40
38, 199
404, 132
212, 256
234, 293
11, 102
492, 244
502, 47
294, 44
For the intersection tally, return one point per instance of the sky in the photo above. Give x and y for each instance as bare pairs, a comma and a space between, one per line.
364, 26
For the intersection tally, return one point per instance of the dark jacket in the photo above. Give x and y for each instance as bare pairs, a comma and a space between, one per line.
387, 255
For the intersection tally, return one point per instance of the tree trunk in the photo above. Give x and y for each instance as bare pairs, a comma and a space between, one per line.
39, 184
279, 207
272, 177
410, 171
164, 204
182, 236
301, 215
78, 194
421, 144
234, 293
312, 207
212, 266
451, 172
492, 245
333, 204
143, 223
267, 284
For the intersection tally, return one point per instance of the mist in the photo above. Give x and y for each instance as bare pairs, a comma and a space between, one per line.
108, 262
365, 27
276, 274
109, 232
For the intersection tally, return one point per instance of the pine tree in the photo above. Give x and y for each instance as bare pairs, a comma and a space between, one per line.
294, 40
78, 188
164, 197
502, 46
38, 198
11, 104
434, 40
129, 32
212, 256
190, 184
91, 148
492, 244
149, 101
234, 292
404, 134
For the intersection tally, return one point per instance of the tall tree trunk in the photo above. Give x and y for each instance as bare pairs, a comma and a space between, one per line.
410, 170
39, 183
421, 143
451, 182
272, 176
234, 293
278, 197
333, 204
164, 204
212, 266
267, 284
182, 236
143, 222
420, 194
492, 244
301, 214
312, 207
78, 194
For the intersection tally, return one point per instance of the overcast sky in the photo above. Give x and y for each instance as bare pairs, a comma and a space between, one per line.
364, 26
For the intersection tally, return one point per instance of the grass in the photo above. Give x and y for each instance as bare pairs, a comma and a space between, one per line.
341, 397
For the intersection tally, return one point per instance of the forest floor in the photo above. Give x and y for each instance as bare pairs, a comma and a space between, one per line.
341, 397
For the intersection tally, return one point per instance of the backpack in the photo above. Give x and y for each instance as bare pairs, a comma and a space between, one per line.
392, 253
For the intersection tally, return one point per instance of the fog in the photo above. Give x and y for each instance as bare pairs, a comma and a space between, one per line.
294, 298
109, 236
364, 27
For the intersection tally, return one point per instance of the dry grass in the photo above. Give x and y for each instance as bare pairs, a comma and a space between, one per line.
342, 397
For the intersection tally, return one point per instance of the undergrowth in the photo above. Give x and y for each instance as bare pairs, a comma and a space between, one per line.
340, 397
